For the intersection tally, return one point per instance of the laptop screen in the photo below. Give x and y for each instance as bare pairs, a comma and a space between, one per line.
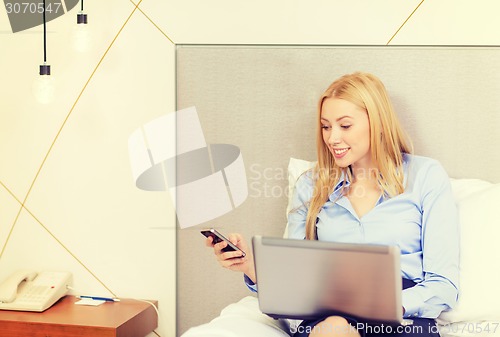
307, 279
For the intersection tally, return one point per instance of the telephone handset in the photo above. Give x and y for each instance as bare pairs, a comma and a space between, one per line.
32, 291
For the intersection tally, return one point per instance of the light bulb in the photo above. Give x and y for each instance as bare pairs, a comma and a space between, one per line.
81, 39
44, 86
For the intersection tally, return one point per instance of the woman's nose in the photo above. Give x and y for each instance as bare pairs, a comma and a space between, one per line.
335, 138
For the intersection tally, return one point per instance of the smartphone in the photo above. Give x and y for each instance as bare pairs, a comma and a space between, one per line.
218, 237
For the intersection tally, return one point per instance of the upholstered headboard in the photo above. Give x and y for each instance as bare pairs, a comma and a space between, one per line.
263, 99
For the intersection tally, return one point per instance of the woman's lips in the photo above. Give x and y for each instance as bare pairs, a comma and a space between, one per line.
339, 153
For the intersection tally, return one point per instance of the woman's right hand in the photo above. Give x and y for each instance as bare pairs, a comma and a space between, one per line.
234, 260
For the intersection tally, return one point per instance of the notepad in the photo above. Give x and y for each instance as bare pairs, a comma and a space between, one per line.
89, 301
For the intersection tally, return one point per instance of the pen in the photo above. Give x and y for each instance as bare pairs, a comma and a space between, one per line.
96, 298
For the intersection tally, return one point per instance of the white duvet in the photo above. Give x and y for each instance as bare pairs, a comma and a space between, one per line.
244, 319
241, 319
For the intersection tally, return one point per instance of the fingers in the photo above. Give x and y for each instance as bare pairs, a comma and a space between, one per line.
209, 241
218, 247
233, 260
230, 259
230, 255
234, 263
234, 238
238, 240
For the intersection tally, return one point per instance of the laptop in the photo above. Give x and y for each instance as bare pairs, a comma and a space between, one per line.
305, 279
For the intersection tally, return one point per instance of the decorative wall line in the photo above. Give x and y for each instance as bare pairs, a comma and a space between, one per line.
404, 23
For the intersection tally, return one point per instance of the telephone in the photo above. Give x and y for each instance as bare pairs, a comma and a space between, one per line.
32, 291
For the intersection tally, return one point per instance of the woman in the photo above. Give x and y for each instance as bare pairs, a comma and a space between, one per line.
367, 187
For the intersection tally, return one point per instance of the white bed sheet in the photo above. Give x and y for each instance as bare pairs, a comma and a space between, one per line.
244, 319
241, 319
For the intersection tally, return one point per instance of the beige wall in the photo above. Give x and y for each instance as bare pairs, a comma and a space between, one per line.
69, 159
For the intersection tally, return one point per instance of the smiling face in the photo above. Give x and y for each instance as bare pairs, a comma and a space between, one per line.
346, 133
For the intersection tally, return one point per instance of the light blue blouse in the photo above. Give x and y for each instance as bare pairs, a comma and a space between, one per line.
423, 222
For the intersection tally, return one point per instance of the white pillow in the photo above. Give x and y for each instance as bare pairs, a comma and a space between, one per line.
478, 203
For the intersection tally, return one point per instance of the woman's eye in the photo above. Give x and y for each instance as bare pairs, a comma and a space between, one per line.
326, 127
345, 126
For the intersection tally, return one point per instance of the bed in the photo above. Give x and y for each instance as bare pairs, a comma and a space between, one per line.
477, 312
263, 99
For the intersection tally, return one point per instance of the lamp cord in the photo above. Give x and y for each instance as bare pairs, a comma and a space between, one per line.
44, 35
82, 5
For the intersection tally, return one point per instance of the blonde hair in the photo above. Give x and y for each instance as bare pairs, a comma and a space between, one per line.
387, 139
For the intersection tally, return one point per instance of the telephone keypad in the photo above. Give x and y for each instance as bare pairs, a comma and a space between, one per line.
35, 294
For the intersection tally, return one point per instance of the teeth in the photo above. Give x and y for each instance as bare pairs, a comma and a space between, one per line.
339, 152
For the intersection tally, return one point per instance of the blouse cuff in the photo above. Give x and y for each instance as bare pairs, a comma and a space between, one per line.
252, 286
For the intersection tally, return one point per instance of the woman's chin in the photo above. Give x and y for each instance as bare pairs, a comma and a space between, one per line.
342, 163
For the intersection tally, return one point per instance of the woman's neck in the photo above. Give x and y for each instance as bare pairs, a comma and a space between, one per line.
365, 174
